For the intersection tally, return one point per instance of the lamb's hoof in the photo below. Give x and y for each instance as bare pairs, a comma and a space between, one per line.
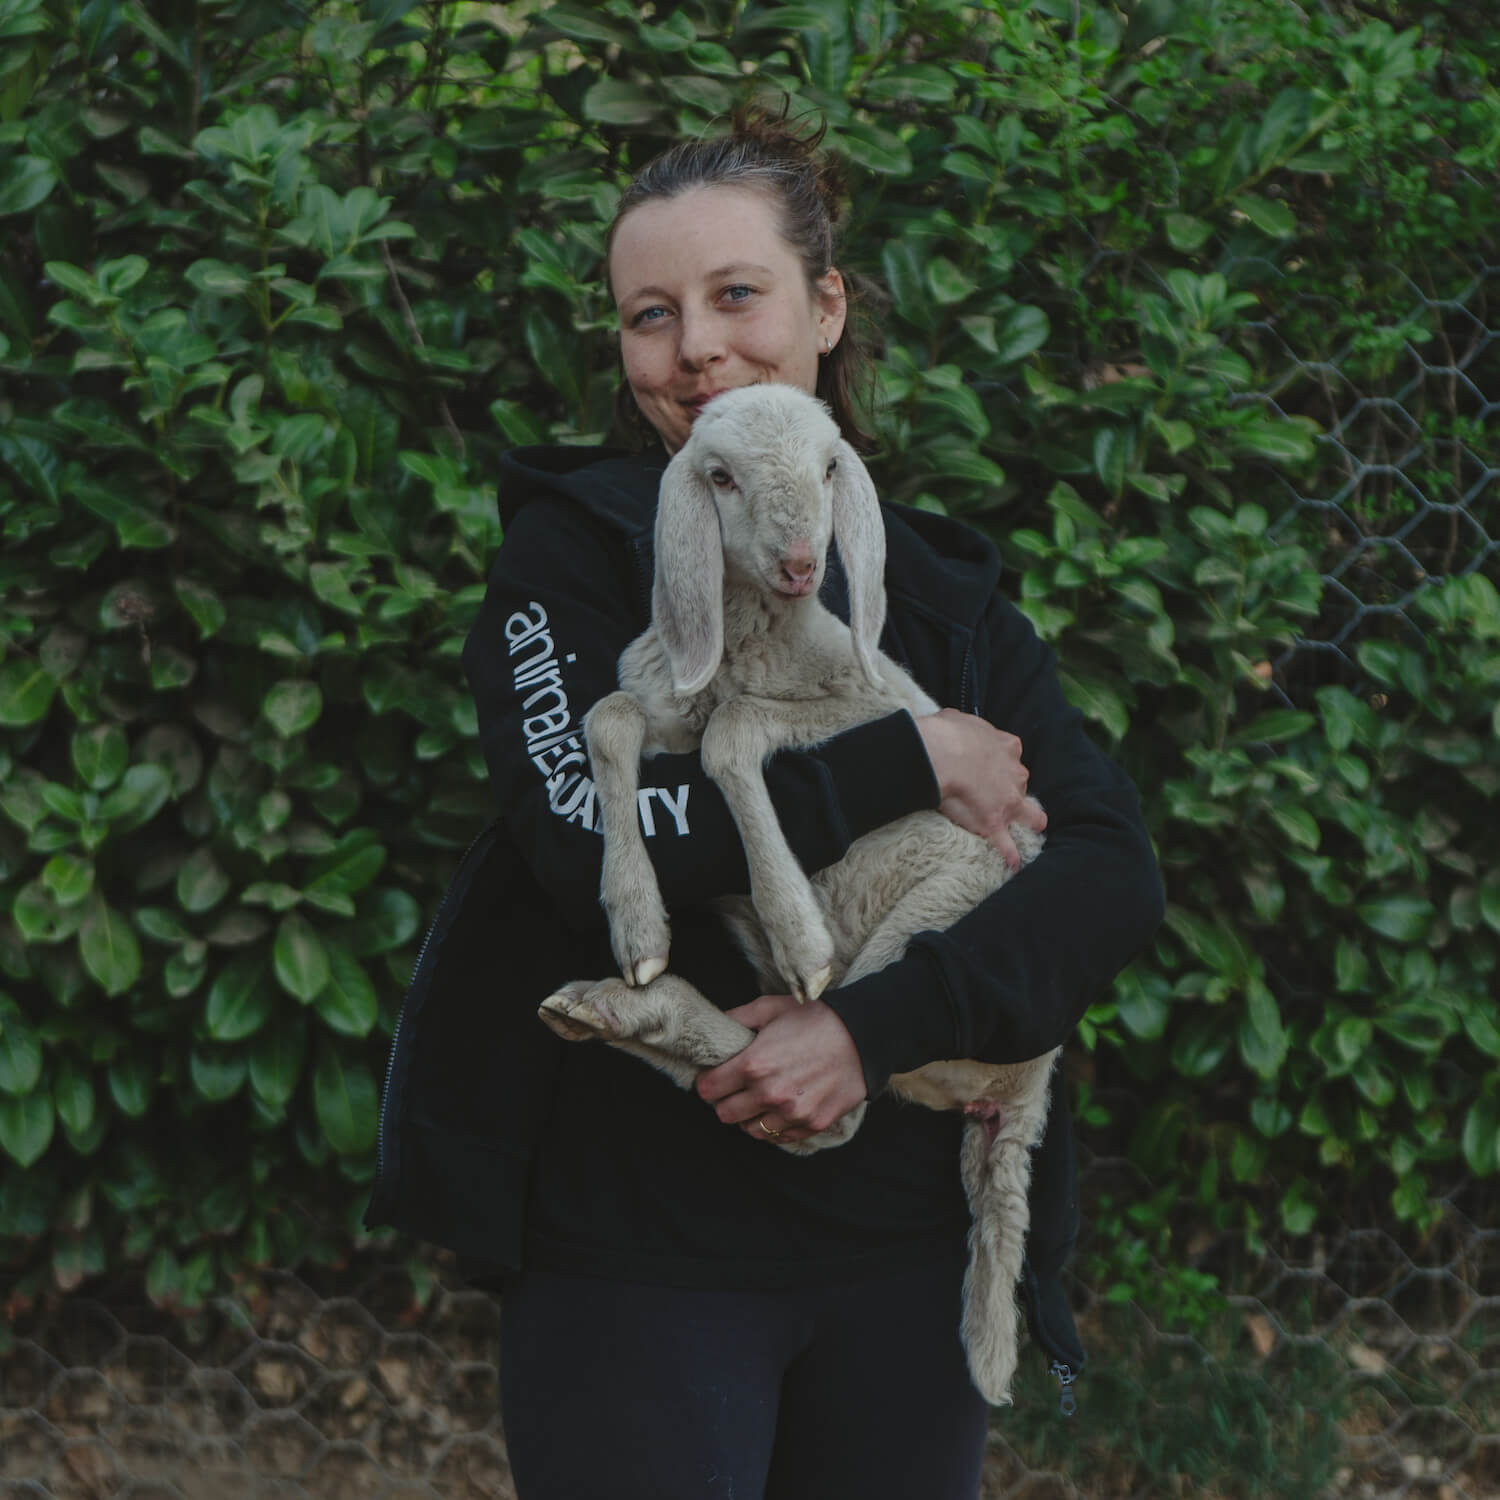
641, 938
810, 989
572, 1017
646, 969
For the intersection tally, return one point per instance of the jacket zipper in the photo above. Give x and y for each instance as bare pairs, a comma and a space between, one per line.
390, 1064
965, 689
1067, 1402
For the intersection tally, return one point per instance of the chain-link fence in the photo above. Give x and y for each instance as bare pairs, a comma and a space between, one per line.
1346, 1364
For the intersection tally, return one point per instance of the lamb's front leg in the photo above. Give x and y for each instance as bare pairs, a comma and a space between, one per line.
639, 933
667, 1023
736, 741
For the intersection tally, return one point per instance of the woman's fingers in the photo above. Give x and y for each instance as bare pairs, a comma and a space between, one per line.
800, 1073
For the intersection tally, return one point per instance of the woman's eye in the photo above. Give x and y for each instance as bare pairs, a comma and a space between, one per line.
648, 315
739, 293
722, 478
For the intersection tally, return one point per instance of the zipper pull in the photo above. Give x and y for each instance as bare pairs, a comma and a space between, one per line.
1067, 1402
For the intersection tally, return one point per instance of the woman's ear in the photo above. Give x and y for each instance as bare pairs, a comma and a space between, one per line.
860, 529
687, 595
832, 307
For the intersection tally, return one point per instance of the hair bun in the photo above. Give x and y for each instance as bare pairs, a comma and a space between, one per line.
777, 136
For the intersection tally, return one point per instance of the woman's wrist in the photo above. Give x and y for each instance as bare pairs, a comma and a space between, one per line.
936, 731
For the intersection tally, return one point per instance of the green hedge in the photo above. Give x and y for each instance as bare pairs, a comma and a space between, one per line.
276, 289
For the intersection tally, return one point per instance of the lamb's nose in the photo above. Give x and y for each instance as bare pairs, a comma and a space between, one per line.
797, 562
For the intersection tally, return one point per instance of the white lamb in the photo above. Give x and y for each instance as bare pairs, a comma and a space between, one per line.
742, 660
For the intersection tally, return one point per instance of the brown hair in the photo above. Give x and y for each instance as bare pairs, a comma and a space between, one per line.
779, 159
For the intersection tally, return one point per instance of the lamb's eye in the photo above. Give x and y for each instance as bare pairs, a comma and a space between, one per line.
833, 463
721, 478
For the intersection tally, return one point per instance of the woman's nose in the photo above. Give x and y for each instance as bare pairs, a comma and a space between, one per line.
700, 343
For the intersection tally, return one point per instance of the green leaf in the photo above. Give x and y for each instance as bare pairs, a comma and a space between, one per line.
584, 23
1481, 1136
785, 18
1421, 1029
1143, 1004
200, 601
26, 690
1262, 1038
1268, 216
217, 278
1202, 1045
1186, 233
1275, 727
40, 917
1270, 1117
1096, 700
902, 268
1283, 442
1351, 968
922, 83
25, 181
69, 877
1299, 825
875, 149
302, 967
348, 1003
1022, 331
20, 1050
73, 1095
614, 102
344, 1097
1113, 449
276, 1058
1406, 919
217, 1073
26, 1126
293, 706
356, 863
130, 1081
109, 948
201, 884
1489, 906
946, 282
100, 755
705, 94
388, 919
241, 999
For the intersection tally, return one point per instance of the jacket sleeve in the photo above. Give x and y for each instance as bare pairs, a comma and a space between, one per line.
558, 611
1011, 979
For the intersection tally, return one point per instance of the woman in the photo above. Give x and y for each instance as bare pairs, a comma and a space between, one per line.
688, 1310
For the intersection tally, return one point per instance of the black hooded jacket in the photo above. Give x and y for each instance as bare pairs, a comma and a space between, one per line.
500, 1142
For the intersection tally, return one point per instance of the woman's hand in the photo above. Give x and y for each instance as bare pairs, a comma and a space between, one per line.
800, 1074
981, 778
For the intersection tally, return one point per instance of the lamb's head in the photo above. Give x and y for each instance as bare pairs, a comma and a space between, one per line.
762, 483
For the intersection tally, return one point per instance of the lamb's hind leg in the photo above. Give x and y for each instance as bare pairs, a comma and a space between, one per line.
639, 933
666, 1023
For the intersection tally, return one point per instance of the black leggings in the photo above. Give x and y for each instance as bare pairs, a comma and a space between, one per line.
618, 1391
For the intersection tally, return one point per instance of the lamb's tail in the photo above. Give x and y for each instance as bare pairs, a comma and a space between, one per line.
997, 1174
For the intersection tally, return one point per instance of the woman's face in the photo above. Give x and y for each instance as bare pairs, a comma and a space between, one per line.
712, 297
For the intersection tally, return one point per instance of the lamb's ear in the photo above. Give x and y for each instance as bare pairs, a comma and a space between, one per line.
860, 530
687, 596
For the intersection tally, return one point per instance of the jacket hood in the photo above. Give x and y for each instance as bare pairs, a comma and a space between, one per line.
945, 568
